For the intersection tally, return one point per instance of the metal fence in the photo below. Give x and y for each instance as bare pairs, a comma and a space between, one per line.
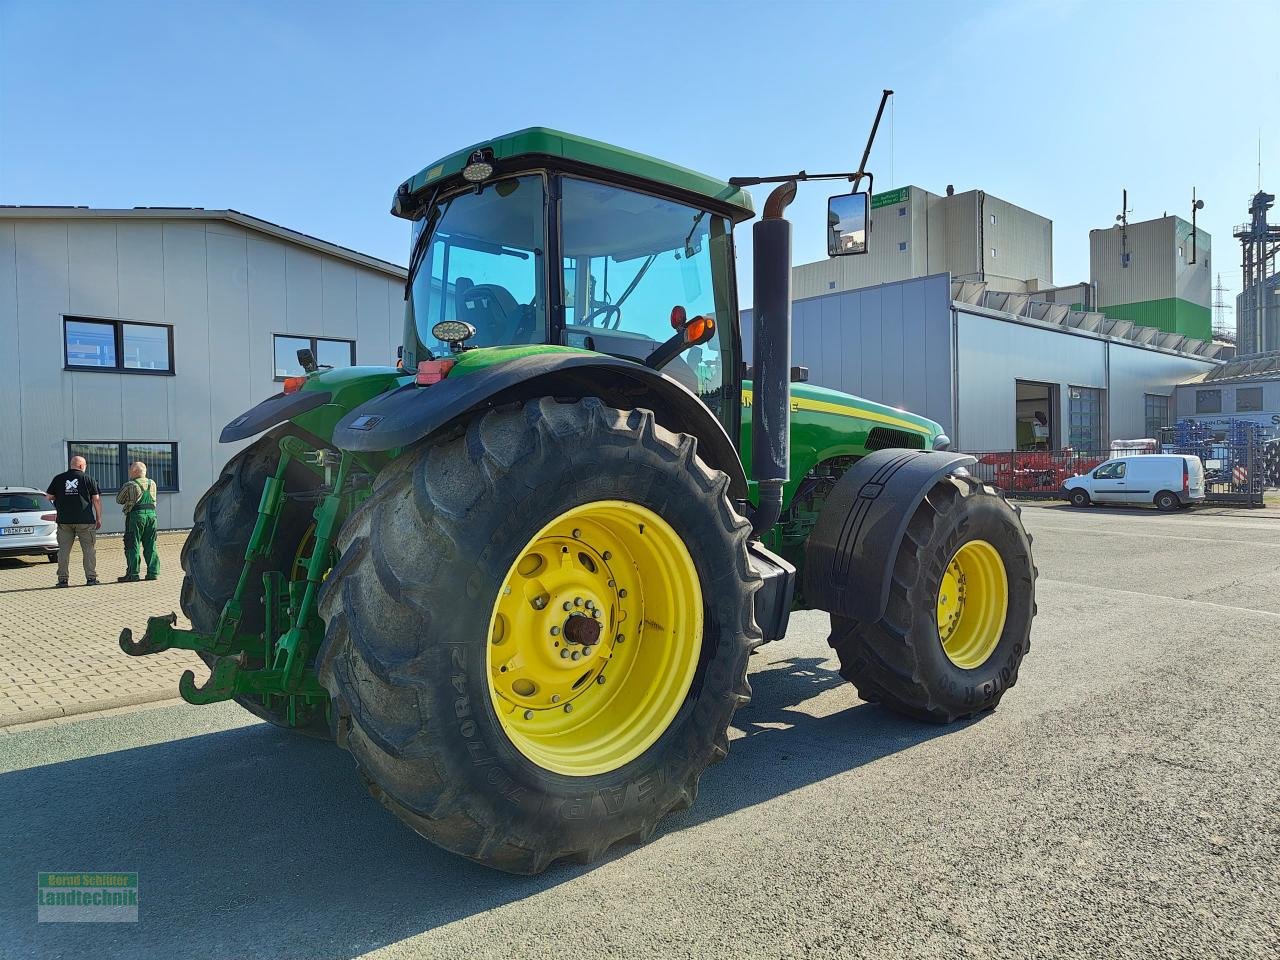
1234, 473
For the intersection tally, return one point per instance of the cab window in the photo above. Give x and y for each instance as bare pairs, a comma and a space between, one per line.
629, 260
485, 265
1110, 471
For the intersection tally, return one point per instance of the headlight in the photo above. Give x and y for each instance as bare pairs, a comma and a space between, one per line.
942, 442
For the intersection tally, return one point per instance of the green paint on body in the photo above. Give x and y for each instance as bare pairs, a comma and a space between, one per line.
1171, 314
544, 142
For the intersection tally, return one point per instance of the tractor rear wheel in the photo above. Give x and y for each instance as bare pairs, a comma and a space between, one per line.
538, 631
213, 557
961, 602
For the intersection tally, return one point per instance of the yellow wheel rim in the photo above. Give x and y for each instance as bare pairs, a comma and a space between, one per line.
973, 601
595, 638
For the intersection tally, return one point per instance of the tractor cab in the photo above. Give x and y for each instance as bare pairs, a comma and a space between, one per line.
542, 238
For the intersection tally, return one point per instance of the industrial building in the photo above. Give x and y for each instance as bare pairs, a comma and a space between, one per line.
1258, 305
1000, 371
915, 233
1155, 273
138, 334
1244, 388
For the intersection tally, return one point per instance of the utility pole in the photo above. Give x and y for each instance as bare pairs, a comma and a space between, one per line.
1220, 329
1195, 205
1123, 219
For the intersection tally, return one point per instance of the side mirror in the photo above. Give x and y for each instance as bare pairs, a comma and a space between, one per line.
847, 224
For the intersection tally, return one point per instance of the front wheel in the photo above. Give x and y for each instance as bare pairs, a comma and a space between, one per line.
538, 631
1079, 498
961, 602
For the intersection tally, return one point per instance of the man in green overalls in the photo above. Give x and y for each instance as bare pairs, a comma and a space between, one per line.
138, 497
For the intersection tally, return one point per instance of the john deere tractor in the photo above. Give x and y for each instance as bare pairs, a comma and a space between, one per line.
519, 576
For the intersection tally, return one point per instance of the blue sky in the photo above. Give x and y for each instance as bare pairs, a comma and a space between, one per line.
310, 114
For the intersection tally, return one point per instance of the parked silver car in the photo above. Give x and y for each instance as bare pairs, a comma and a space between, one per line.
28, 524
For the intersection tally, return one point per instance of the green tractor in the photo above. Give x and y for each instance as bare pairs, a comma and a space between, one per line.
519, 576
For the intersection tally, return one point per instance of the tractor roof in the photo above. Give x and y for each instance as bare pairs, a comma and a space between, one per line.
537, 143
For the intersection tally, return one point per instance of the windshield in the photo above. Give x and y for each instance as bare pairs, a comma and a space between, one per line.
629, 259
485, 265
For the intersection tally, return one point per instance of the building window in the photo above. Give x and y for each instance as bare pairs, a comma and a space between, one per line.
902, 245
902, 211
107, 461
993, 219
831, 284
1084, 413
993, 253
1208, 401
1157, 414
120, 346
1248, 399
327, 351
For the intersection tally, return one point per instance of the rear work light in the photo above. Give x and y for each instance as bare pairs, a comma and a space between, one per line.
433, 371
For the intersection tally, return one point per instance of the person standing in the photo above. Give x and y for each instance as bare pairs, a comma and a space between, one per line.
79, 506
138, 497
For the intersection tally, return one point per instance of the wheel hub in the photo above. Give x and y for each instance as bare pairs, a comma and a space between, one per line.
973, 602
595, 637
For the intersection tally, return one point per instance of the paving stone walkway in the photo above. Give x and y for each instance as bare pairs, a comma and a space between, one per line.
59, 652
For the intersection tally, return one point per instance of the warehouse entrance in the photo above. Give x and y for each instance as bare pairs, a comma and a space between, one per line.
1035, 416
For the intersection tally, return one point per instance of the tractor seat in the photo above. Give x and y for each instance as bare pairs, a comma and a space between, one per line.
491, 309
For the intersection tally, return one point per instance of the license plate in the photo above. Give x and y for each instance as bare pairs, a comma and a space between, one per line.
17, 531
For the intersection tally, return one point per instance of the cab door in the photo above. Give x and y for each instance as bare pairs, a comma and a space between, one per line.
1109, 484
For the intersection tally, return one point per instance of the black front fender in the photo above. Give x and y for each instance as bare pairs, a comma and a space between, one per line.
272, 411
410, 413
849, 556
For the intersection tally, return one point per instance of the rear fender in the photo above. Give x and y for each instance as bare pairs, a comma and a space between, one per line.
404, 416
850, 554
323, 400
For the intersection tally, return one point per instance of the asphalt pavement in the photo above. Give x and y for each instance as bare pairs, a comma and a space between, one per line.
1121, 802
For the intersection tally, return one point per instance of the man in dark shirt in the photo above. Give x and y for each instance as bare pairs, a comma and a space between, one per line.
79, 506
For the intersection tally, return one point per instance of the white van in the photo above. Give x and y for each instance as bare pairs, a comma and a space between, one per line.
1169, 481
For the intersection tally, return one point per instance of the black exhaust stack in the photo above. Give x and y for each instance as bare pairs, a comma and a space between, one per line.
771, 346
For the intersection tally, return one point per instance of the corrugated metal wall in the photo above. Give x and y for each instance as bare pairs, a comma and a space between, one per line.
891, 344
225, 290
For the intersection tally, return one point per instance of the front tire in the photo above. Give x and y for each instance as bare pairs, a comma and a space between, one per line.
213, 556
1079, 498
470, 695
961, 602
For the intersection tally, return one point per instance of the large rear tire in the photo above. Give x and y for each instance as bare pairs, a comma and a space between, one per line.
213, 557
538, 631
961, 602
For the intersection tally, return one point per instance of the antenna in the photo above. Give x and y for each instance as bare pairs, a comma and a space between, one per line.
1123, 219
1195, 205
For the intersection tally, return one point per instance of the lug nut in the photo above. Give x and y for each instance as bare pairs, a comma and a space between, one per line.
564, 653
555, 631
600, 679
622, 593
528, 714
608, 555
568, 708
596, 613
618, 639
577, 534
575, 655
577, 601
567, 605
539, 602
555, 698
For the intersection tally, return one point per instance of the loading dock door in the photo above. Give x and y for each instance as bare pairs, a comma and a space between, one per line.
1036, 415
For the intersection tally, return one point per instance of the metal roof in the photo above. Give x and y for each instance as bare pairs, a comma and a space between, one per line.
13, 212
1022, 306
1253, 366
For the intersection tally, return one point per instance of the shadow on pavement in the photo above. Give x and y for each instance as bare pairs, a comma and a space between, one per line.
255, 842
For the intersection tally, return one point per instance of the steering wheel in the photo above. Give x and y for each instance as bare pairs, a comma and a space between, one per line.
605, 309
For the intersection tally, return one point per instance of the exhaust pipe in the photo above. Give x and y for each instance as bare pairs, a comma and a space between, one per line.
771, 339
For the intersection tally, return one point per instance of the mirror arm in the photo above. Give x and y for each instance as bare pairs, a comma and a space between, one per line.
667, 352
